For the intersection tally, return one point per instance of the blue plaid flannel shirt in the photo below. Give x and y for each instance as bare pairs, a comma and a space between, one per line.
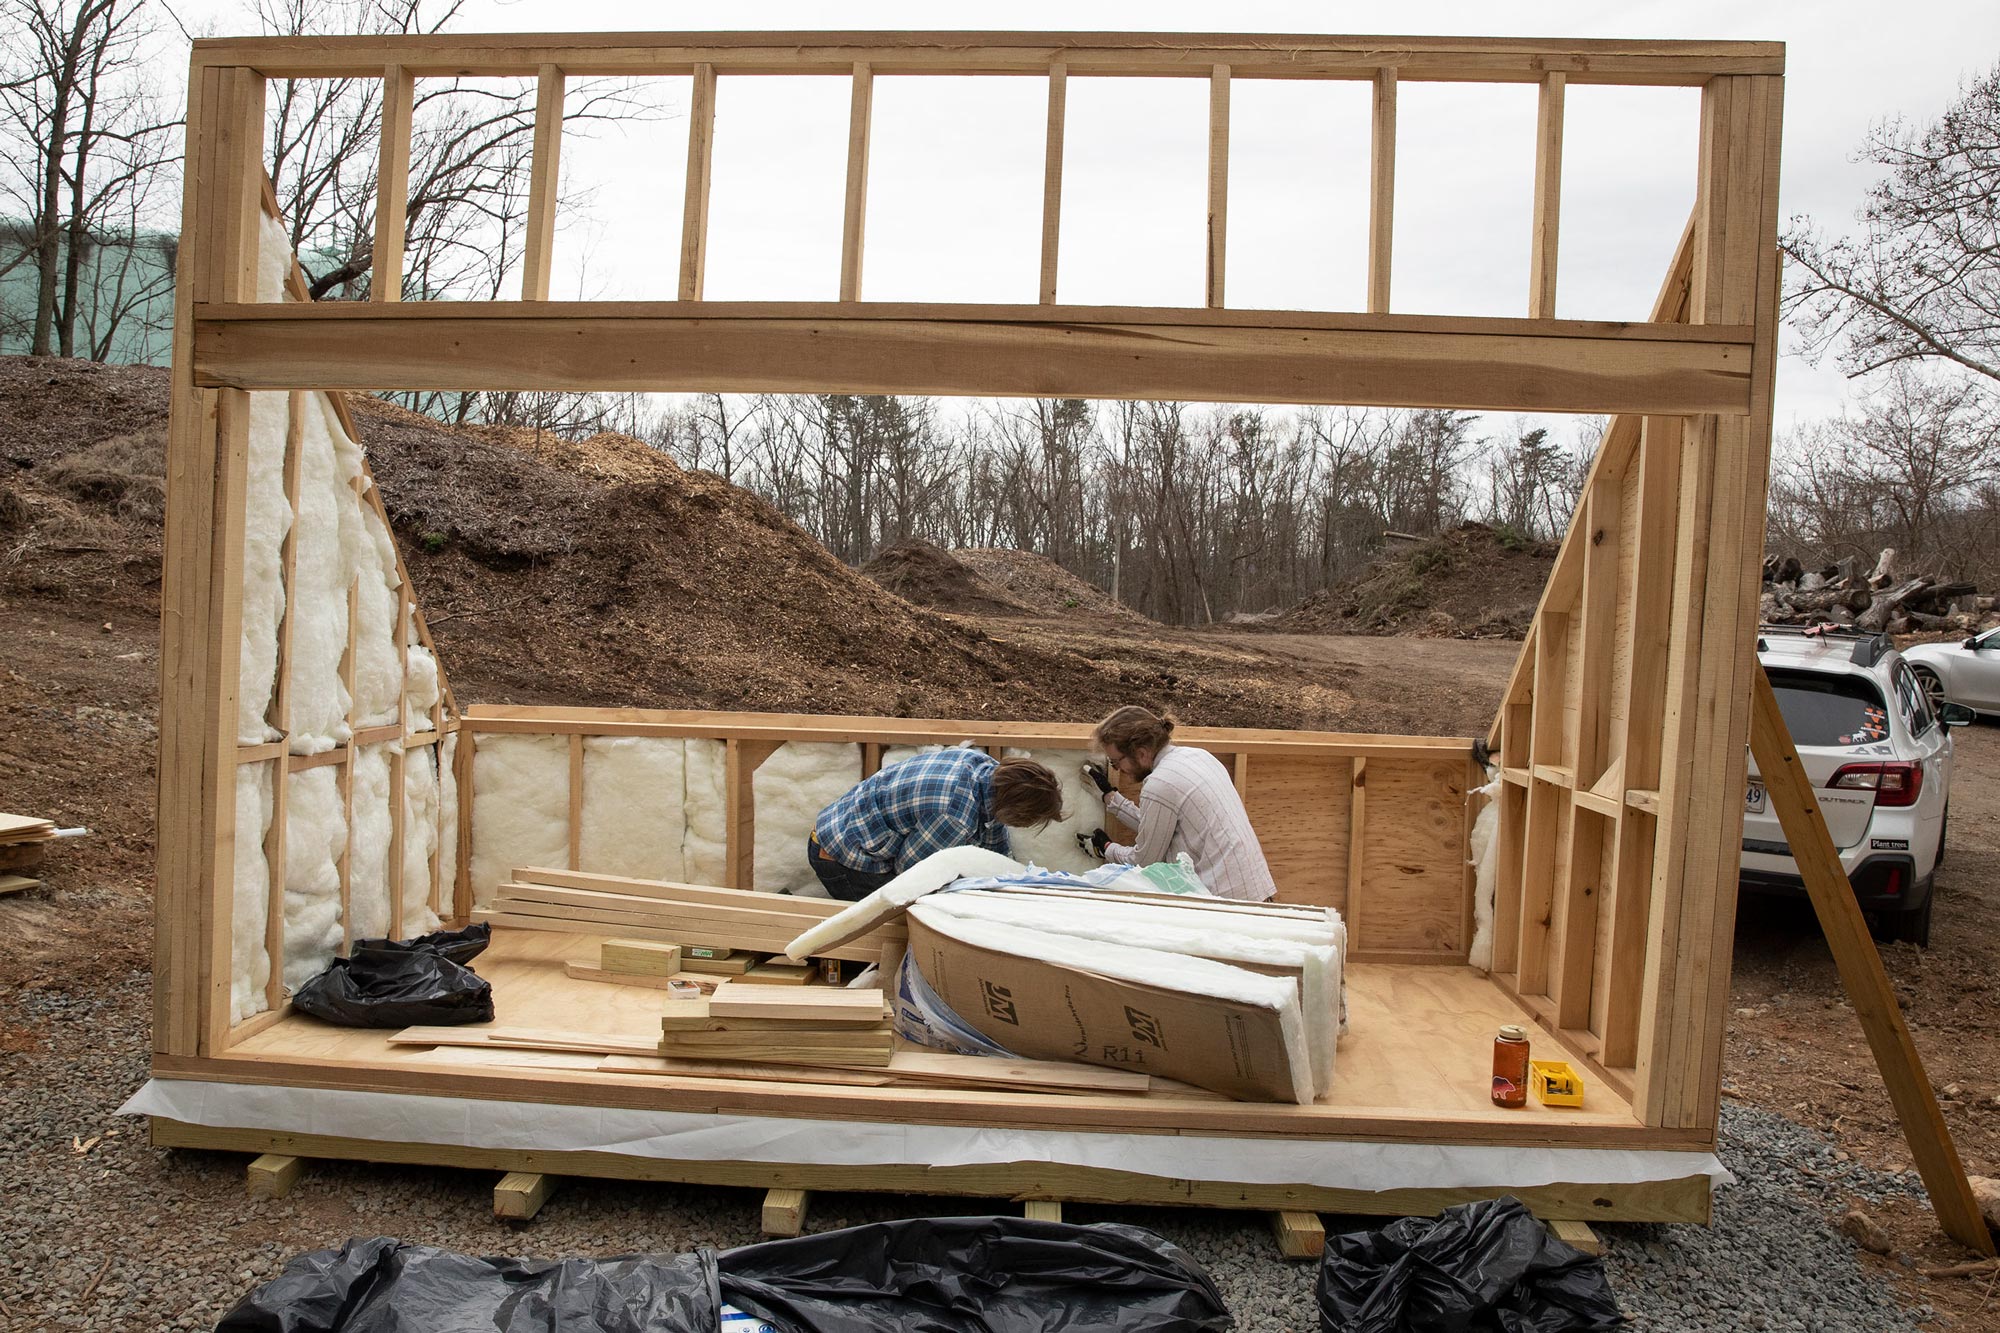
924, 804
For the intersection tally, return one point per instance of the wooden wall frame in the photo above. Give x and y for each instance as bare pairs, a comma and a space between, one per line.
1621, 736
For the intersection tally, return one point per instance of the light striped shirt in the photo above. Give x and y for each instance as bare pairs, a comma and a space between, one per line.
1189, 804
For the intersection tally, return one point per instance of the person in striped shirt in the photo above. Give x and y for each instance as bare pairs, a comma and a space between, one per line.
1188, 804
928, 802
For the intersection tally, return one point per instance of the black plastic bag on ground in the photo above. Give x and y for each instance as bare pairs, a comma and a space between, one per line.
395, 987
1477, 1267
461, 946
973, 1275
383, 1285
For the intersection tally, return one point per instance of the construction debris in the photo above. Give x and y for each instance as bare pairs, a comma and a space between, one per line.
1875, 601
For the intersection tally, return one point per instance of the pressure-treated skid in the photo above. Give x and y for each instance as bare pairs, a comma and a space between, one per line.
1620, 739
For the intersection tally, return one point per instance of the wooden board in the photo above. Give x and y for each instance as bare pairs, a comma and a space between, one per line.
826, 1004
18, 884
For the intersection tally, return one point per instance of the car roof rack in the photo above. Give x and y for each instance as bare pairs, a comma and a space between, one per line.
1869, 645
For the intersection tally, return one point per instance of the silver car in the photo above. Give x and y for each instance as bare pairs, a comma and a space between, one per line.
1967, 672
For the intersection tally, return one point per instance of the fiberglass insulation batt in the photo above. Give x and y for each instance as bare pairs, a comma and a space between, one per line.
267, 517
368, 855
634, 807
420, 837
790, 788
315, 836
378, 666
249, 960
705, 846
1053, 846
520, 808
327, 548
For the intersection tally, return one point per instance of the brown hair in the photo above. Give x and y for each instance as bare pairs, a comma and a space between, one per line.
1134, 728
1025, 793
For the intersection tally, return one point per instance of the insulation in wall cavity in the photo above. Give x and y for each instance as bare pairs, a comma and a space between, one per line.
326, 546
267, 518
420, 839
790, 789
421, 687
1053, 846
378, 663
705, 848
315, 835
634, 799
447, 880
374, 831
520, 808
249, 960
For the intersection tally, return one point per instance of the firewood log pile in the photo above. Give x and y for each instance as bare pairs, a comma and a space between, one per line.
1848, 593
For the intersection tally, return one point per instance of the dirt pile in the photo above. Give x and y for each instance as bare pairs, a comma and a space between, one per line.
926, 575
1472, 582
1042, 585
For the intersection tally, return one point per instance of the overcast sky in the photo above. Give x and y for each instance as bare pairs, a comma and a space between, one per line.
955, 169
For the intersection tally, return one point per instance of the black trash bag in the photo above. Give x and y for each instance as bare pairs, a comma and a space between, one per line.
1486, 1267
394, 988
973, 1275
382, 1285
461, 946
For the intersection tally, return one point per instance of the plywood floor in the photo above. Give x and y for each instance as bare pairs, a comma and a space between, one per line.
1419, 1042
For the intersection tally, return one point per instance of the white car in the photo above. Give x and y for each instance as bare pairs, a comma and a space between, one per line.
1967, 672
1879, 757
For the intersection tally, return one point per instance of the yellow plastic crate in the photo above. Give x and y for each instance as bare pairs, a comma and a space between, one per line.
1555, 1083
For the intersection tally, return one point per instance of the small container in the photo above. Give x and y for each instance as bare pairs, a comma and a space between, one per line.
1555, 1083
1510, 1066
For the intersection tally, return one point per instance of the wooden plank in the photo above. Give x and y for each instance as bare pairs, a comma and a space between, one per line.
700, 173
1861, 973
392, 183
580, 921
1548, 197
820, 908
17, 884
1382, 189
1538, 845
826, 1004
583, 971
854, 219
970, 350
1577, 1235
1299, 1235
645, 957
544, 179
741, 761
576, 802
1042, 1210
784, 1212
1052, 175
521, 1194
1147, 54
1357, 844
461, 890
272, 1176
1218, 185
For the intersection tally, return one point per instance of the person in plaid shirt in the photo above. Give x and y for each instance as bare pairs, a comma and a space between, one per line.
928, 802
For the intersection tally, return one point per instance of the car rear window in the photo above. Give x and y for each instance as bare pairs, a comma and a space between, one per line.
1830, 710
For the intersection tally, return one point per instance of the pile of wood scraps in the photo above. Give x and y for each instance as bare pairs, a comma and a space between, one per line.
821, 1026
23, 839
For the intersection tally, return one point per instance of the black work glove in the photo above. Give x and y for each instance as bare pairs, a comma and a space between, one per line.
1095, 774
1094, 842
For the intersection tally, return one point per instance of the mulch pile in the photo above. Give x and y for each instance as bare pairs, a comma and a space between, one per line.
1042, 585
926, 575
1471, 582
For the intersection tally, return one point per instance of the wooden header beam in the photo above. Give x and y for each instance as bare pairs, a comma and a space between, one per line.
1032, 351
1145, 55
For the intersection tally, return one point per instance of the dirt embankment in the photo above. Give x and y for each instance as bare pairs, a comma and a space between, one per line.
1472, 582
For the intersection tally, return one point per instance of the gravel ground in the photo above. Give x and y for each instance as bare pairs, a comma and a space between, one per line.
100, 1231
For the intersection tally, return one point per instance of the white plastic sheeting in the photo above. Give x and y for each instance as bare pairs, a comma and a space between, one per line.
315, 835
420, 836
705, 849
368, 857
790, 788
520, 808
634, 807
249, 960
694, 1137
1053, 846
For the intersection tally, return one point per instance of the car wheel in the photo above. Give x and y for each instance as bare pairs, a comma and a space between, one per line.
1933, 689
1915, 927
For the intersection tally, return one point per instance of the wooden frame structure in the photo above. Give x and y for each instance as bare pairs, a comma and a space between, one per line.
1621, 735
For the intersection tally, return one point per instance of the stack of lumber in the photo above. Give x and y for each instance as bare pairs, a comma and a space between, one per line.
1848, 593
22, 841
820, 1026
683, 914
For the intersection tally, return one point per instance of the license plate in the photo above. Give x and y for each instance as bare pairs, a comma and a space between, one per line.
1753, 799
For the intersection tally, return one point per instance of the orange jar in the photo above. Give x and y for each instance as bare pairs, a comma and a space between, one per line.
1510, 1066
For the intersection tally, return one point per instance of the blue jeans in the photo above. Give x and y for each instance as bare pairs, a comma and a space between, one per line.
850, 886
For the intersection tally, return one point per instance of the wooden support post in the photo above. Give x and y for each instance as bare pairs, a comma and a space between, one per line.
281, 708
1861, 972
392, 184
272, 1176
1299, 1235
854, 223
1042, 1210
740, 806
1576, 1235
521, 1194
576, 801
871, 758
461, 763
1548, 197
700, 171
1580, 894
1546, 800
784, 1212
1382, 190
544, 177
1218, 184
1052, 173
1357, 840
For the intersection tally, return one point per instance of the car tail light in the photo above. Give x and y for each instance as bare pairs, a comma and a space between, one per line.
1893, 783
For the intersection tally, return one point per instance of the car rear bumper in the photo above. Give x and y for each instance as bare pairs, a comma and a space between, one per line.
1881, 883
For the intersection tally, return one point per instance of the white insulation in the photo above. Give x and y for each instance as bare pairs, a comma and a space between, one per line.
420, 838
1053, 846
374, 831
520, 808
249, 960
327, 549
266, 519
790, 789
634, 807
1483, 844
704, 846
447, 879
315, 835
378, 664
